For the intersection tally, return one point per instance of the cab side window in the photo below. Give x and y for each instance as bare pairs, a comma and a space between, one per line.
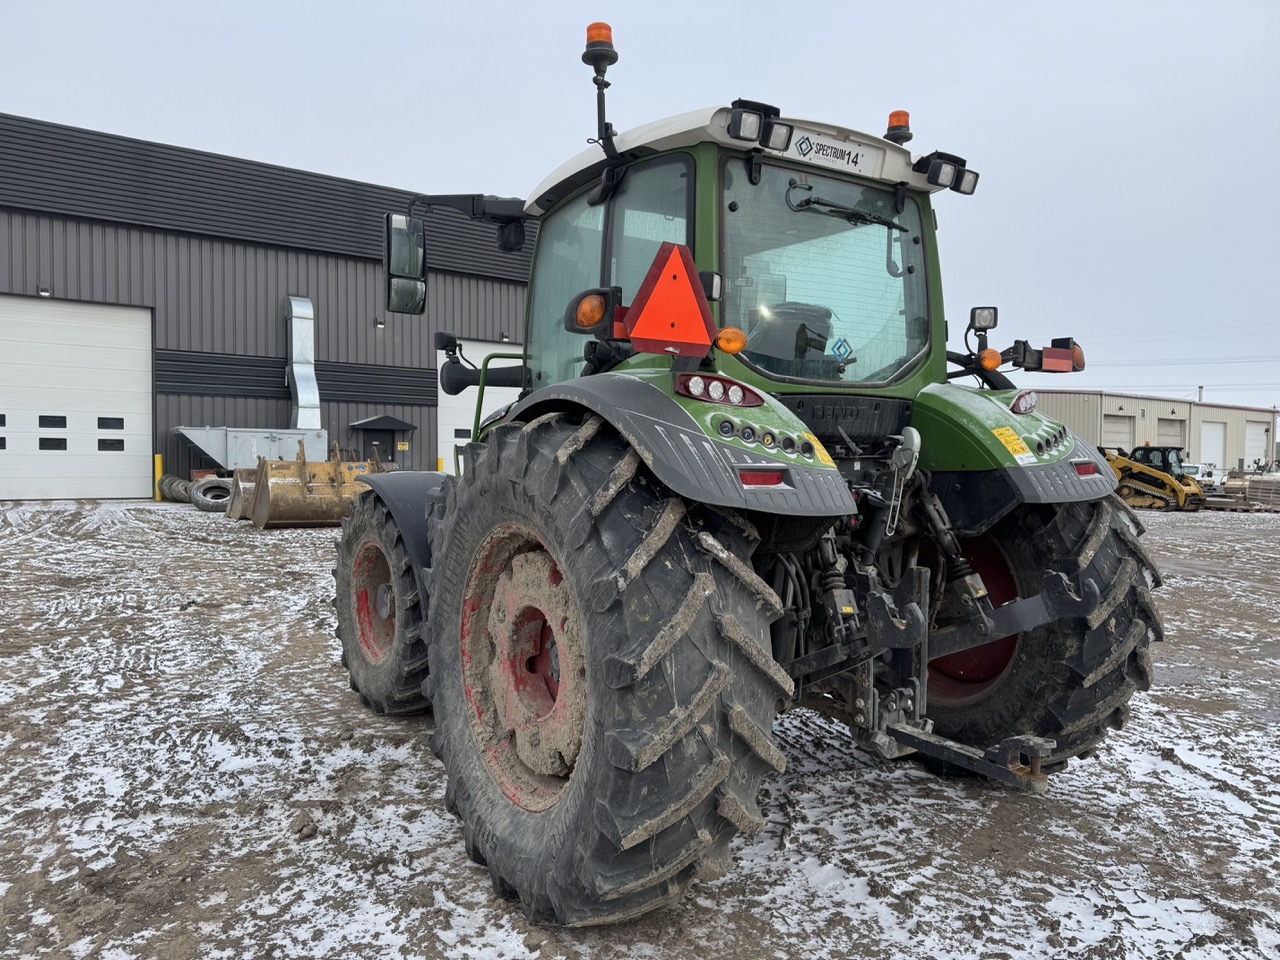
649, 209
651, 206
570, 247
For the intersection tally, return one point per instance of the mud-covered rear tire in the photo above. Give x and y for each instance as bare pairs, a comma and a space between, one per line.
1070, 680
379, 609
603, 690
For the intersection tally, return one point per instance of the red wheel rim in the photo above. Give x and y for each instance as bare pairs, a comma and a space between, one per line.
523, 670
969, 673
375, 622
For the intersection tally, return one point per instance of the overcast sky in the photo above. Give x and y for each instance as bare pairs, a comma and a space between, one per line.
1129, 151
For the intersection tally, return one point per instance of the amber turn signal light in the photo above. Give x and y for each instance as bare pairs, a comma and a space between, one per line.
590, 311
731, 340
990, 359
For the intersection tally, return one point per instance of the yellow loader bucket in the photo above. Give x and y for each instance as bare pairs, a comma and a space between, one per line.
301, 493
244, 482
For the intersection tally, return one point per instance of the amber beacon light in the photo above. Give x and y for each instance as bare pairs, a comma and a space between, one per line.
899, 130
599, 53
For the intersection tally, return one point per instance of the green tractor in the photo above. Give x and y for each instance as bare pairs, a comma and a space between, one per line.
740, 479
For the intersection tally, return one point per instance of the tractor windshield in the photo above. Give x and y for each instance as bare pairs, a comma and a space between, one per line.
826, 276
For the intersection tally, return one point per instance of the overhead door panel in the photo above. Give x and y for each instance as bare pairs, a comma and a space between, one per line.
1117, 431
1171, 433
1213, 443
1255, 443
76, 400
455, 416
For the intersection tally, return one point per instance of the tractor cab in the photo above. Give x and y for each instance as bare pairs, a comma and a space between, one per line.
814, 241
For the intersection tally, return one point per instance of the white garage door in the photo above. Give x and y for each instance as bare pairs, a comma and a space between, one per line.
455, 416
75, 400
1213, 443
1255, 443
1170, 433
1117, 432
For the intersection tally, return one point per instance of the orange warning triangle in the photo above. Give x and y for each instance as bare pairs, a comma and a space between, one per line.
670, 315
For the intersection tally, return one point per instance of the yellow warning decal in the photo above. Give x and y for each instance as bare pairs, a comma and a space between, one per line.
820, 451
1013, 443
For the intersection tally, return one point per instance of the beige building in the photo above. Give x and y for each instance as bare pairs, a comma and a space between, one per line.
1210, 433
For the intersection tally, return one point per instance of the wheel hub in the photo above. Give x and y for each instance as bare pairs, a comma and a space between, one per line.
523, 668
973, 672
373, 599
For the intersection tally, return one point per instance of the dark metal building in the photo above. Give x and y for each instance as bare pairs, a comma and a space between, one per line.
211, 247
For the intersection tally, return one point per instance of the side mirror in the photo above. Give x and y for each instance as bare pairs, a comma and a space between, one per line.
405, 259
511, 236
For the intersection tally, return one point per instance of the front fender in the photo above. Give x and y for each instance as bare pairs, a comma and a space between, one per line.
406, 494
673, 439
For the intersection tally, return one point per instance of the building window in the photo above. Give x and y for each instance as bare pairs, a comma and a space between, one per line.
113, 444
52, 423
111, 423
53, 443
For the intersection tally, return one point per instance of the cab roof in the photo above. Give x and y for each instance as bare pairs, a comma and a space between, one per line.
823, 145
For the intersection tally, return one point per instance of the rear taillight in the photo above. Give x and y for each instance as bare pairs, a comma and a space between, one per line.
1024, 402
762, 478
700, 386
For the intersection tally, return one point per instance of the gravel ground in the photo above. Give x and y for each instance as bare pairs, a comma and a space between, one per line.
186, 774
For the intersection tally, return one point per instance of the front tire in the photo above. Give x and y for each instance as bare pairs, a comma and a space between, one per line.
379, 610
599, 666
1070, 680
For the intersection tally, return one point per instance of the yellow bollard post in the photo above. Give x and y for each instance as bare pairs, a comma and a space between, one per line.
159, 472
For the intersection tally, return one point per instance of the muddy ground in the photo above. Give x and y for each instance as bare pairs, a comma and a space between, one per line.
186, 774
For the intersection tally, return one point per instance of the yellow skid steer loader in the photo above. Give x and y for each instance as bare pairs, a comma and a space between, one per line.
1153, 477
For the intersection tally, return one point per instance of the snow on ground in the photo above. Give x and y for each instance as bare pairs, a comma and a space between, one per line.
186, 774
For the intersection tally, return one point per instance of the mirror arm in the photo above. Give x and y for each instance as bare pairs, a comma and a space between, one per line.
475, 206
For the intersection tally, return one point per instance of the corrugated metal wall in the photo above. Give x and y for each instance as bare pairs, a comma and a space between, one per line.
51, 168
1083, 412
218, 296
212, 245
218, 315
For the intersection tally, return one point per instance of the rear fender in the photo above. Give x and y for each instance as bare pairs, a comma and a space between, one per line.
673, 439
407, 494
985, 459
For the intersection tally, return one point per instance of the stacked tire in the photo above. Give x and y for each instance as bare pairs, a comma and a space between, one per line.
211, 494
175, 488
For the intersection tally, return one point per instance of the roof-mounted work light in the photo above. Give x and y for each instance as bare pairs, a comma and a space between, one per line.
755, 122
947, 170
777, 136
745, 125
942, 173
967, 183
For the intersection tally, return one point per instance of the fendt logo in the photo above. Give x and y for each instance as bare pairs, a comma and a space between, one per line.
804, 147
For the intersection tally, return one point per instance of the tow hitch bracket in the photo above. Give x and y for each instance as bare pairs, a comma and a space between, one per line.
1055, 601
1003, 762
